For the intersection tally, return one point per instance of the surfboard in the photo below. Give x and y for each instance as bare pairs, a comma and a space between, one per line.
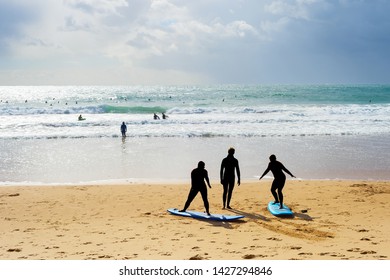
274, 209
201, 215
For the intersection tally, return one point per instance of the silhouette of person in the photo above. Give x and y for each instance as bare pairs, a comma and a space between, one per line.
164, 116
156, 117
277, 169
229, 166
123, 129
198, 177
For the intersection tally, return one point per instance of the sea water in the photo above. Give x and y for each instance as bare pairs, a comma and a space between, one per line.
317, 131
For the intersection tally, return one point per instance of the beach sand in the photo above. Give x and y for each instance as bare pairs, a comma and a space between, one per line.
333, 220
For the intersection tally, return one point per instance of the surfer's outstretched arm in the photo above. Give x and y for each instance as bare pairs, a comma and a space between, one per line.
265, 172
287, 171
207, 179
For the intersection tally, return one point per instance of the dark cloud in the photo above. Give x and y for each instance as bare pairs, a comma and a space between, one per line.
345, 42
319, 42
12, 17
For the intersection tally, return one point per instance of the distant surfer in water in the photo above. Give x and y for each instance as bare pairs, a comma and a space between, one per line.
198, 177
277, 169
229, 167
156, 117
123, 129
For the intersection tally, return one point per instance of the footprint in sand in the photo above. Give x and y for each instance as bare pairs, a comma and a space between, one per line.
368, 252
274, 238
249, 256
105, 257
355, 250
296, 248
197, 257
14, 250
305, 254
382, 257
337, 255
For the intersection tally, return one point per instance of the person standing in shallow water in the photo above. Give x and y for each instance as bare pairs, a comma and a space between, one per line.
123, 129
229, 167
277, 169
198, 177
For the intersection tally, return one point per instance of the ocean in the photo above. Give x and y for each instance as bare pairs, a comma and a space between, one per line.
317, 131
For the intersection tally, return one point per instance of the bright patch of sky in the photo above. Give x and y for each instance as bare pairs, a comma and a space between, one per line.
119, 42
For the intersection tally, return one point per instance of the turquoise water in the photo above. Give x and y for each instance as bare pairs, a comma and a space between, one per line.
324, 131
207, 111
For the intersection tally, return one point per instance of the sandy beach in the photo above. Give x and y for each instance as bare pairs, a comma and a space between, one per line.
333, 220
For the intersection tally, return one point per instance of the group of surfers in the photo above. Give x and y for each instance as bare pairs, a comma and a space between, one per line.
229, 169
124, 127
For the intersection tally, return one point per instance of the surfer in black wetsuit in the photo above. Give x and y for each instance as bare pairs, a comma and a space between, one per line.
123, 129
277, 169
229, 166
198, 177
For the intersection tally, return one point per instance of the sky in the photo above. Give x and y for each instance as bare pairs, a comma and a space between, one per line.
175, 42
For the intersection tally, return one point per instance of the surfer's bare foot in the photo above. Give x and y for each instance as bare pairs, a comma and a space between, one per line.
229, 207
183, 210
275, 202
281, 207
208, 214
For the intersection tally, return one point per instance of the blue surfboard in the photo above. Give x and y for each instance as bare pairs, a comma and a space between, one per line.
275, 210
201, 215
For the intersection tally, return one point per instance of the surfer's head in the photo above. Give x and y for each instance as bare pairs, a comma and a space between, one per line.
272, 158
201, 164
231, 151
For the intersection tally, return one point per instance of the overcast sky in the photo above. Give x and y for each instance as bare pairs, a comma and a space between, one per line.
136, 42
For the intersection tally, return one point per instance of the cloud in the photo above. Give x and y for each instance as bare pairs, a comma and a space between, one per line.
13, 16
298, 9
97, 7
218, 41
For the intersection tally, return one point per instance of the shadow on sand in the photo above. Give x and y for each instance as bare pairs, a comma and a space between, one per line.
250, 215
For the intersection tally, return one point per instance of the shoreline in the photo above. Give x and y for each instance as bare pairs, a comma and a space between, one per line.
334, 220
94, 160
148, 181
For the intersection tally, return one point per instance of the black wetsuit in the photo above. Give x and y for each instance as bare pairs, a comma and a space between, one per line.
277, 169
227, 174
123, 129
198, 177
